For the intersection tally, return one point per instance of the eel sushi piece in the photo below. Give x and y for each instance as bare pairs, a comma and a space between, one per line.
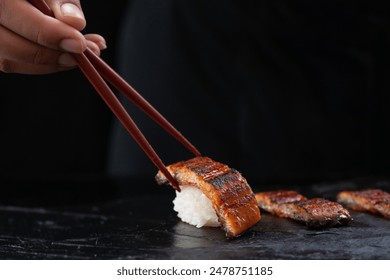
228, 194
315, 213
371, 200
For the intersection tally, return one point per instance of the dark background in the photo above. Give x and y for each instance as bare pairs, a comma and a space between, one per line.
283, 91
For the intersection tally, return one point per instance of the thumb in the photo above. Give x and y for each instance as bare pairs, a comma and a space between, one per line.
69, 12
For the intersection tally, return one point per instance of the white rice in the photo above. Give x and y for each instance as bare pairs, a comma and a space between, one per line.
193, 207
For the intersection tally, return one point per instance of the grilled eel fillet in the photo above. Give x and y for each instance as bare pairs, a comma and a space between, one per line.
372, 200
229, 193
316, 212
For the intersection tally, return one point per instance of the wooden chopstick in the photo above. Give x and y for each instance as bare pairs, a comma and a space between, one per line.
42, 6
116, 107
113, 103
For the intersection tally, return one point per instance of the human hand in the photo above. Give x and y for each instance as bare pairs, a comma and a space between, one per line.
33, 43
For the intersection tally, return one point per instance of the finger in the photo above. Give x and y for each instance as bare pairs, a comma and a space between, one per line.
24, 57
69, 12
97, 39
8, 66
93, 47
31, 24
65, 62
18, 49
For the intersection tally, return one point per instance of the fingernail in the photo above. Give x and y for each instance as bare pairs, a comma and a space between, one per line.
94, 47
66, 59
71, 45
102, 45
71, 10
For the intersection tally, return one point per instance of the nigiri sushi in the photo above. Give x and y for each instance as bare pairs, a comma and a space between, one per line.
213, 194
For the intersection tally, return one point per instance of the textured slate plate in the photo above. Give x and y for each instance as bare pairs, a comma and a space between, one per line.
76, 223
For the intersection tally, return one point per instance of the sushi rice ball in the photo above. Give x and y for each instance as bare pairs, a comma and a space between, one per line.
195, 208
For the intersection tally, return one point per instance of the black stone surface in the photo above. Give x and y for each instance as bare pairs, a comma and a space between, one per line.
99, 220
